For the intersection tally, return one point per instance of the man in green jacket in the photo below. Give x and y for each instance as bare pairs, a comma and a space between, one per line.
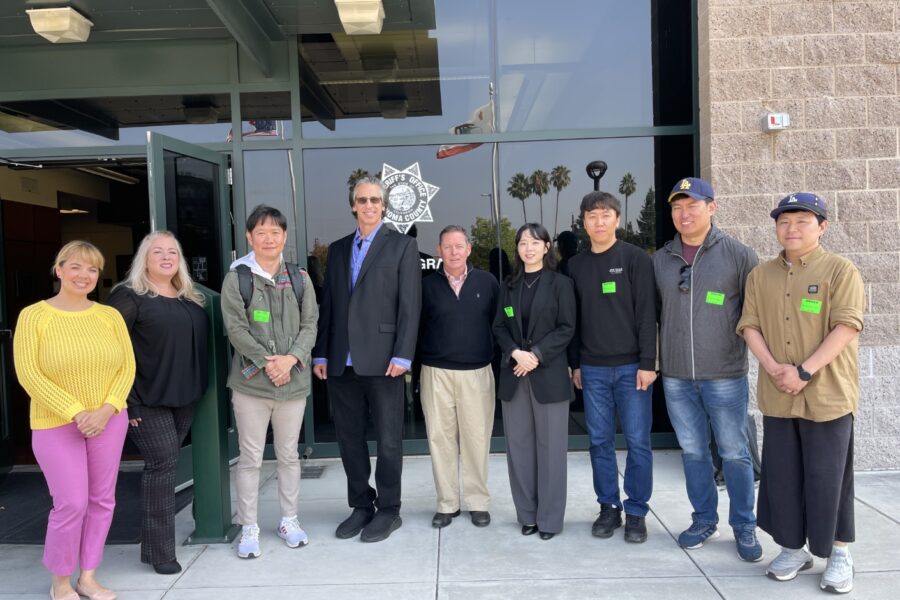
272, 338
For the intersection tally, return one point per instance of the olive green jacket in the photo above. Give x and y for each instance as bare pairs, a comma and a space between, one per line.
273, 324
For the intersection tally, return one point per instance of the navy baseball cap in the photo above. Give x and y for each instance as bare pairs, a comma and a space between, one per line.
801, 201
696, 188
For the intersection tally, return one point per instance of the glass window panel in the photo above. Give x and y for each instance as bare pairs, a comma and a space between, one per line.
462, 198
266, 116
114, 121
422, 81
268, 180
587, 63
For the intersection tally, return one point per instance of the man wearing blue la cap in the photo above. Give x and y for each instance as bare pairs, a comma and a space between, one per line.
700, 277
803, 311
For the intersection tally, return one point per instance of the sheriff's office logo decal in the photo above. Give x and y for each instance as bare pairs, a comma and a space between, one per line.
408, 196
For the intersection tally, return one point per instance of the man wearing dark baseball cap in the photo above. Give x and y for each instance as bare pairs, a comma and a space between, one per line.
700, 277
803, 312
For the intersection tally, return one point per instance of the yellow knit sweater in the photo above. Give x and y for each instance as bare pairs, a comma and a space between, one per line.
72, 361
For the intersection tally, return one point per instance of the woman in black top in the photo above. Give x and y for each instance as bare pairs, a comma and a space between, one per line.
535, 322
169, 329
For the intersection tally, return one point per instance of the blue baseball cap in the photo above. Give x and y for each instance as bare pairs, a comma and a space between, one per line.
696, 188
801, 201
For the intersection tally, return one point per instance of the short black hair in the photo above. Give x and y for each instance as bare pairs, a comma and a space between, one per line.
262, 213
595, 200
819, 218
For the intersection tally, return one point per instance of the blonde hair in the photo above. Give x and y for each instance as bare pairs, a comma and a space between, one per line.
78, 249
139, 282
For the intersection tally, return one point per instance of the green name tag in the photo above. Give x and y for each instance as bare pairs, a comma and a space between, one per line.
609, 287
509, 312
811, 306
261, 316
715, 298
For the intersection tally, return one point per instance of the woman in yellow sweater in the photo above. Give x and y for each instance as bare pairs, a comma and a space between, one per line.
74, 359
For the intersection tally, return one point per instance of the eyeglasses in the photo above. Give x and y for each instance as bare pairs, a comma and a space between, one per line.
685, 284
370, 199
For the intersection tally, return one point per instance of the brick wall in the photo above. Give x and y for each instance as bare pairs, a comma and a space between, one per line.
835, 67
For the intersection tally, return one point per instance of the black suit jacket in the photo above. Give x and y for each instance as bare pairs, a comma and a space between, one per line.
550, 329
379, 318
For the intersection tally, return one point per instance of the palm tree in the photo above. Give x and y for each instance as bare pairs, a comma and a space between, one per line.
627, 187
520, 189
355, 176
560, 177
540, 185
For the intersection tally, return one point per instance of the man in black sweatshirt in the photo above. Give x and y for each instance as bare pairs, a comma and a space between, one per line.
613, 357
456, 347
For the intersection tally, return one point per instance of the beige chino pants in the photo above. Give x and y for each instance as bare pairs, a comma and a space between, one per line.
252, 416
459, 418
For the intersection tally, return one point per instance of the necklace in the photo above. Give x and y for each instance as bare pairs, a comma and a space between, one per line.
530, 285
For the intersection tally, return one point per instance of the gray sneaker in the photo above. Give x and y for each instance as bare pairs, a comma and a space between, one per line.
248, 547
838, 575
788, 563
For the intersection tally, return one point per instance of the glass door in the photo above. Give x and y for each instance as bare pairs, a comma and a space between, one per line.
190, 196
6, 447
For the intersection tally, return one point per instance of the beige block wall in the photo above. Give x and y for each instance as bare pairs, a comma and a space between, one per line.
834, 66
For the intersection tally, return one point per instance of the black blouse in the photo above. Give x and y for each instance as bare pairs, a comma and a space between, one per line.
529, 289
169, 336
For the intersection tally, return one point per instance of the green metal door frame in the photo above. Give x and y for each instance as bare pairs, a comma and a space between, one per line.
7, 454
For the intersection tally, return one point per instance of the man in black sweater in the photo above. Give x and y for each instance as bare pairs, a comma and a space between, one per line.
456, 347
613, 357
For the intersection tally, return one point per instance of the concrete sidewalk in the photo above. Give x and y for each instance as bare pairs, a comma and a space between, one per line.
461, 561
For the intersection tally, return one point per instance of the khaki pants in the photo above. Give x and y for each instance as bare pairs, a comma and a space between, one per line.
252, 416
459, 417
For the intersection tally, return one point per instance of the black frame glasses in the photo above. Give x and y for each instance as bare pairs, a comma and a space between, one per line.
685, 284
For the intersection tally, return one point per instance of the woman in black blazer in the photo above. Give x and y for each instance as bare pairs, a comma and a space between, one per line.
535, 322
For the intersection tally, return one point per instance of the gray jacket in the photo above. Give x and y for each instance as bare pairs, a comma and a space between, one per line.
274, 325
697, 336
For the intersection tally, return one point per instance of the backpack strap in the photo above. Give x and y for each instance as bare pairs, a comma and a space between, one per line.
295, 273
245, 284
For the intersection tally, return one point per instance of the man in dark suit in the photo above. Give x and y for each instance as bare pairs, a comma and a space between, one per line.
368, 323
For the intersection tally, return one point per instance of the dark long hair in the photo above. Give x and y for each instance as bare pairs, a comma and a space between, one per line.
538, 232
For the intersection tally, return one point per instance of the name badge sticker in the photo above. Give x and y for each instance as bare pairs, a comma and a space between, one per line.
808, 305
609, 287
261, 316
717, 298
509, 311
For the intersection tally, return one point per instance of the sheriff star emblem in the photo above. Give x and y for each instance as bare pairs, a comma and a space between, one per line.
408, 196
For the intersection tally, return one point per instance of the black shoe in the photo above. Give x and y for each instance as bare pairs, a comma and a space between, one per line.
440, 519
635, 529
609, 520
546, 535
352, 525
529, 529
480, 518
381, 527
167, 568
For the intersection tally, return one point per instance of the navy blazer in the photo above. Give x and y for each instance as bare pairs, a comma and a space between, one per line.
550, 329
378, 318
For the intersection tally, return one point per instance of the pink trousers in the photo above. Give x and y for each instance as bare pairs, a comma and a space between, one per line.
81, 474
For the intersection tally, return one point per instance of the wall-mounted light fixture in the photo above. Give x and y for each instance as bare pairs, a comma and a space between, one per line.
361, 17
60, 25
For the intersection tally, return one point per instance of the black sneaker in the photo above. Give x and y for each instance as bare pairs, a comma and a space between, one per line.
635, 529
352, 525
380, 527
609, 520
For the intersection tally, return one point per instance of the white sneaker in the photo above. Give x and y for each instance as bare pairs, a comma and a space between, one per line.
788, 563
291, 532
838, 575
248, 547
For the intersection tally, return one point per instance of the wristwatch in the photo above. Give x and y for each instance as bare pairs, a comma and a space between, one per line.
803, 373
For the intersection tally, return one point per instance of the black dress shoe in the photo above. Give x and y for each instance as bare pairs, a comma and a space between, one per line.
440, 519
480, 518
529, 529
352, 525
381, 527
546, 535
167, 568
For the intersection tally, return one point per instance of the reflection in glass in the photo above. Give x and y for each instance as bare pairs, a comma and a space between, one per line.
268, 180
416, 81
114, 121
266, 115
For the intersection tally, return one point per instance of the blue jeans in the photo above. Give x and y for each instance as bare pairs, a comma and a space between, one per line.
608, 390
694, 406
